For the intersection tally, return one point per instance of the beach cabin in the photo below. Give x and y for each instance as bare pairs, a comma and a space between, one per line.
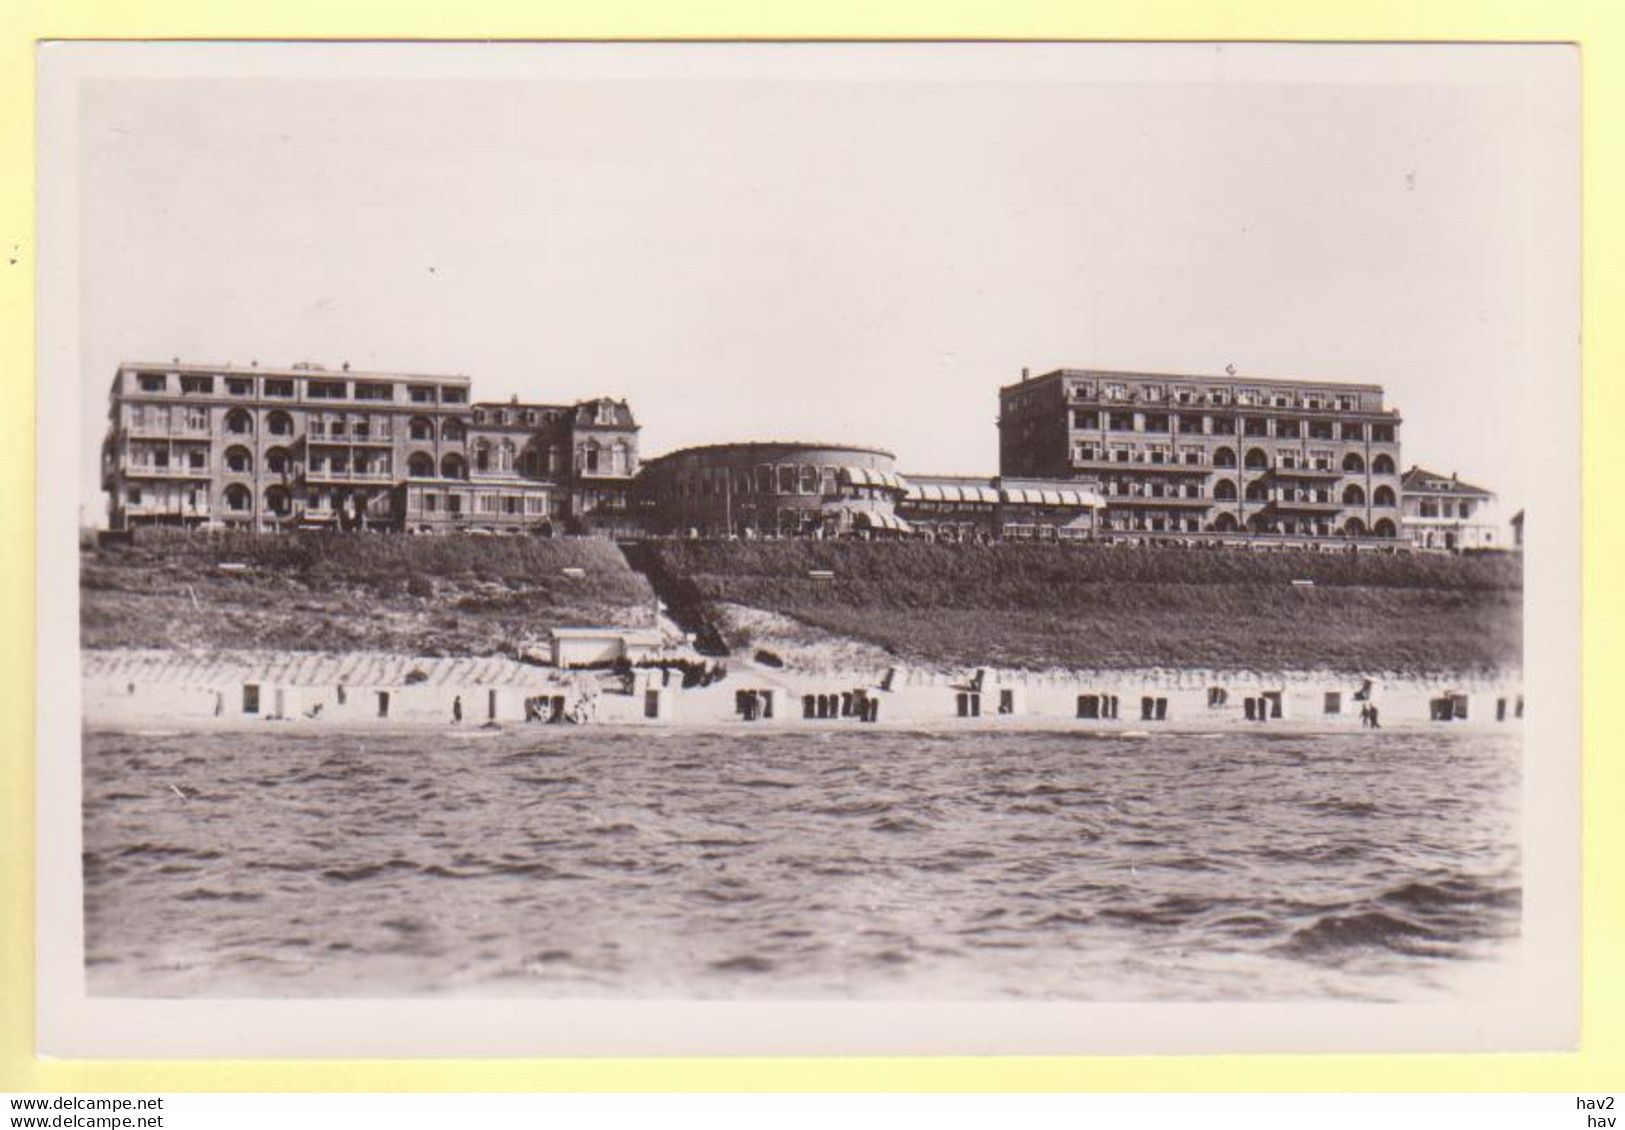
584, 647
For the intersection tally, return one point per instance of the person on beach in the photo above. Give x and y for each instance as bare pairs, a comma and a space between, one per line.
1365, 714
1375, 724
457, 709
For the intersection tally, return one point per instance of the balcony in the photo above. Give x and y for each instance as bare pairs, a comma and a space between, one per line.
1317, 474
1136, 501
1133, 467
349, 475
317, 439
1302, 506
169, 431
148, 471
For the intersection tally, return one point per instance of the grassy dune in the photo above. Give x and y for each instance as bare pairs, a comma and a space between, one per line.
356, 592
1103, 606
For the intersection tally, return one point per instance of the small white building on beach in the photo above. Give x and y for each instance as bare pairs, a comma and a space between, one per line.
582, 647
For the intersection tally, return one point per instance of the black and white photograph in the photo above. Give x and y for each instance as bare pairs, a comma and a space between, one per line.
808, 547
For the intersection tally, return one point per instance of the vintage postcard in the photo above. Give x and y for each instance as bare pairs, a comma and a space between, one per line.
808, 548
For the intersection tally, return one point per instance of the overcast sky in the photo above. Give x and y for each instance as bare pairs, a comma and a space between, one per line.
853, 244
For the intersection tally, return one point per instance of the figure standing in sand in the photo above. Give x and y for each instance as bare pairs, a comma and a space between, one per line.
457, 709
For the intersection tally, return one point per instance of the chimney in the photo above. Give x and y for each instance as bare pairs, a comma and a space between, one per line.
346, 366
1026, 373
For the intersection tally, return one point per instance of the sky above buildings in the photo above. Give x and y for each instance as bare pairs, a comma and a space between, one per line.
856, 245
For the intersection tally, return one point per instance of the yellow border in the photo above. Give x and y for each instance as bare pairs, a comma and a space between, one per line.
1596, 26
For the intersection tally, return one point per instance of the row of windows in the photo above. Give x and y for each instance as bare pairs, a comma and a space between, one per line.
1257, 491
315, 389
1190, 394
1224, 457
512, 505
768, 478
1252, 426
1151, 521
1445, 508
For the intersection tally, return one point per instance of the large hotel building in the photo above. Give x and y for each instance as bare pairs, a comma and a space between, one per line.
1082, 453
305, 447
1207, 455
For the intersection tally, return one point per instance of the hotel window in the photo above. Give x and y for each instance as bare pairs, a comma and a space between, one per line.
1288, 429
326, 390
1189, 425
421, 394
454, 396
134, 495
1085, 452
1281, 400
1348, 403
152, 382
1121, 453
1247, 396
1085, 421
373, 390
431, 502
828, 481
1192, 455
454, 504
486, 504
511, 504
1224, 425
1082, 390
536, 504
1382, 433
196, 460
198, 386
1352, 431
787, 479
1219, 396
1320, 429
1156, 423
1323, 460
1185, 395
1157, 453
281, 388
1255, 426
1116, 391
1152, 392
240, 386
197, 419
1122, 421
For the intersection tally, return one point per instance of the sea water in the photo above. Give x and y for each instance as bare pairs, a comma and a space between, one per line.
821, 864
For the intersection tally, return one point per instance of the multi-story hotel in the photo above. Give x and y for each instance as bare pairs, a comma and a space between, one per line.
261, 448
1219, 455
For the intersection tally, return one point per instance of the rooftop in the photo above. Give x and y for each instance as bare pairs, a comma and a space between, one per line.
1421, 480
298, 369
772, 445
